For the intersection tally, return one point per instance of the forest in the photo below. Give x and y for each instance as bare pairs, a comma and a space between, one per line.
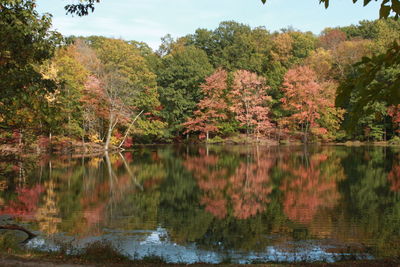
234, 83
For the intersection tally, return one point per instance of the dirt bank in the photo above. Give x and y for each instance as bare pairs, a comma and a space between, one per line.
46, 261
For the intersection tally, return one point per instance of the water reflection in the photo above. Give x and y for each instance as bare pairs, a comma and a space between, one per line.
238, 202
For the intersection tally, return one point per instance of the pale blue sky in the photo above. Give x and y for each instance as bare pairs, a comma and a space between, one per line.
149, 20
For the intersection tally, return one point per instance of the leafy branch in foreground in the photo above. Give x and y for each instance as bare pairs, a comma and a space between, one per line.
81, 9
377, 79
387, 6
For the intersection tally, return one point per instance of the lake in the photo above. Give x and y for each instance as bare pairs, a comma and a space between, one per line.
212, 204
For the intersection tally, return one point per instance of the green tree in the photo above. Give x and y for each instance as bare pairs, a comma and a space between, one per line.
64, 115
367, 100
234, 46
179, 78
26, 42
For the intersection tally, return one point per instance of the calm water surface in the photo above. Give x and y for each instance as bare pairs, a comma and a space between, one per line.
213, 204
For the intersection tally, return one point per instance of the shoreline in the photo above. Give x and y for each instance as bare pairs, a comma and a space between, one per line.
96, 150
73, 261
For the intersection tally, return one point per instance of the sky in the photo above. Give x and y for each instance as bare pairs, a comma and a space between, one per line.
149, 20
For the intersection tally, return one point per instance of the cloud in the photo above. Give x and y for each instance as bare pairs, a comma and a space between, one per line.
134, 29
149, 20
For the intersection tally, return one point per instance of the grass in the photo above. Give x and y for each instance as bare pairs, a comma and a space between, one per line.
104, 253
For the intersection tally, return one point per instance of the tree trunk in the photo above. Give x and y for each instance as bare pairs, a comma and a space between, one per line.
20, 140
279, 134
306, 133
130, 172
129, 128
19, 228
257, 134
111, 126
305, 140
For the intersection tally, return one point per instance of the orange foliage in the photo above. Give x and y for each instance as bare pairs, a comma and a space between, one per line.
247, 190
332, 38
250, 101
305, 98
211, 109
394, 178
394, 113
307, 190
250, 188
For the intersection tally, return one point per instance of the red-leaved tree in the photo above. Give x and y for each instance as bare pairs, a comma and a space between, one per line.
330, 39
394, 113
250, 102
211, 110
304, 97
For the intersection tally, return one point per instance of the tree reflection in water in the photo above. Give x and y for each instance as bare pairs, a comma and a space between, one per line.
310, 184
216, 197
247, 188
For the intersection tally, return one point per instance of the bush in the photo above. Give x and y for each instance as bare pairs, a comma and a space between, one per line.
395, 141
103, 251
215, 140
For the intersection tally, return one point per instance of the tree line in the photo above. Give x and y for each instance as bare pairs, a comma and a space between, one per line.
232, 81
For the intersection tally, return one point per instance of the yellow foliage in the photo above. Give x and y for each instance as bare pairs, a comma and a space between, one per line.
94, 162
51, 97
95, 138
48, 215
49, 71
114, 141
3, 185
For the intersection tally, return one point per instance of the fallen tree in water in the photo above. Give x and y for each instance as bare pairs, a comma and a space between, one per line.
19, 228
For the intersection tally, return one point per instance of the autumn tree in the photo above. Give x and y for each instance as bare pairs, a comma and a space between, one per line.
282, 47
348, 53
212, 108
94, 109
321, 62
331, 38
305, 98
94, 99
394, 113
250, 102
127, 85
64, 112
